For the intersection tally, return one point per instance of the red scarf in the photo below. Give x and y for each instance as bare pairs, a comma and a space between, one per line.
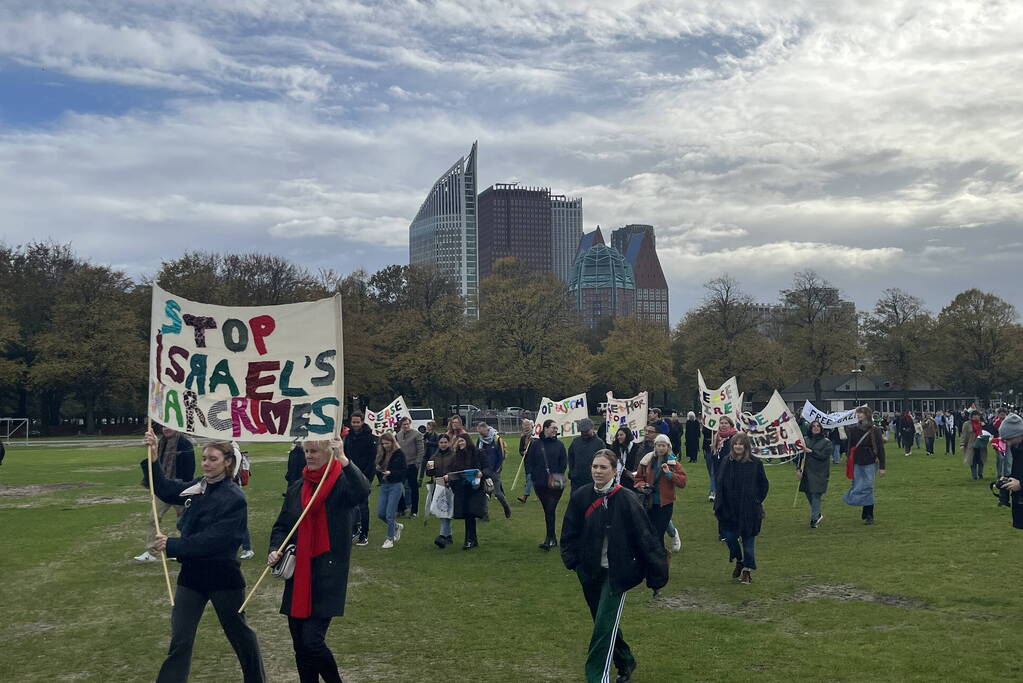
977, 426
313, 537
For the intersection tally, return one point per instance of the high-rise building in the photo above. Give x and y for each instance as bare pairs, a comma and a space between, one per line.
444, 233
515, 222
602, 284
566, 231
637, 244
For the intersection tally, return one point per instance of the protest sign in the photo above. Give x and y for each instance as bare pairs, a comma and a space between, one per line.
773, 432
565, 412
625, 412
721, 402
829, 420
253, 373
386, 420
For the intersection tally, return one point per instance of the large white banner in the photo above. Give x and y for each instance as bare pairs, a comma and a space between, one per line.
254, 373
725, 401
386, 420
773, 431
626, 412
829, 420
565, 412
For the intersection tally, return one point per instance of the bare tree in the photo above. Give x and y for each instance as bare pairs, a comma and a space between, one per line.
899, 336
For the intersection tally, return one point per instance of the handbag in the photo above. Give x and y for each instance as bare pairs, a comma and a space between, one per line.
285, 566
849, 464
555, 480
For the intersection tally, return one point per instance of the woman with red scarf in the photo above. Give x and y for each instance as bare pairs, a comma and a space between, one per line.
316, 592
720, 447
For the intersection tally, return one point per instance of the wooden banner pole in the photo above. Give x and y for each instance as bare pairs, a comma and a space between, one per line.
156, 517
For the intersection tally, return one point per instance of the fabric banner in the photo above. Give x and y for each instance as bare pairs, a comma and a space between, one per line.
721, 402
774, 432
386, 420
253, 373
845, 418
625, 412
565, 412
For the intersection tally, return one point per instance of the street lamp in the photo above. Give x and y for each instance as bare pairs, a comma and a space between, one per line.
856, 384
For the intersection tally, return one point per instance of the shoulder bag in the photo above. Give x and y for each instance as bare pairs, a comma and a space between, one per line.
555, 480
285, 566
849, 463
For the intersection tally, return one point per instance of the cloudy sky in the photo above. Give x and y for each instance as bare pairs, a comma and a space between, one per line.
880, 143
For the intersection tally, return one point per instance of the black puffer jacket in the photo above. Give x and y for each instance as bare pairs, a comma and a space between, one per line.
330, 569
211, 531
633, 554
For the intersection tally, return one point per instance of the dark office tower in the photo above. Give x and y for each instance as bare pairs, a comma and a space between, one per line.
515, 221
602, 284
651, 287
620, 237
566, 231
443, 233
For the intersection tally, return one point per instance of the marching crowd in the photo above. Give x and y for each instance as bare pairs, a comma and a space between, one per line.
613, 531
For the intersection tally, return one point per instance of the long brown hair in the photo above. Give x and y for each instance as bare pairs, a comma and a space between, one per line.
747, 451
382, 456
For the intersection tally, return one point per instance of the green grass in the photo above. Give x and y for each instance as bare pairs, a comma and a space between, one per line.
930, 592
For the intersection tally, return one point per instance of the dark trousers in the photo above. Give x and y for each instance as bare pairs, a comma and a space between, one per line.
499, 492
659, 516
188, 608
361, 520
691, 451
606, 644
410, 498
312, 656
907, 441
929, 445
950, 442
977, 464
867, 512
549, 501
470, 529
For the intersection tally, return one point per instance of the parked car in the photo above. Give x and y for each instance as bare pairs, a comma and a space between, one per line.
512, 411
420, 416
465, 410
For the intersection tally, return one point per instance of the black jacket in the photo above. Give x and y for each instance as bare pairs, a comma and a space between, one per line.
330, 569
636, 453
816, 464
633, 554
741, 488
694, 430
396, 466
543, 450
361, 448
580, 458
296, 463
211, 530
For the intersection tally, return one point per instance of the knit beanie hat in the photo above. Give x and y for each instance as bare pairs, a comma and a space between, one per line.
663, 438
1011, 426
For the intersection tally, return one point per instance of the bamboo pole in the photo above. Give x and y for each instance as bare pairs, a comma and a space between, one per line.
156, 517
518, 472
291, 533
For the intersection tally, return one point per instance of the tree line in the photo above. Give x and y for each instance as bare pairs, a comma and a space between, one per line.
73, 335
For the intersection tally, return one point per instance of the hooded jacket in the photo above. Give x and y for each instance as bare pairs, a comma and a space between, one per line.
361, 448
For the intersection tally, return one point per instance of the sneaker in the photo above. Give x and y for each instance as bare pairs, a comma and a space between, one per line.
522, 499
676, 542
246, 555
362, 540
710, 498
397, 534
414, 515
820, 519
441, 542
387, 544
737, 570
625, 675
745, 577
869, 521
146, 557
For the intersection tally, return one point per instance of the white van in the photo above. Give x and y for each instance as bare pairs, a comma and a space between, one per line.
420, 416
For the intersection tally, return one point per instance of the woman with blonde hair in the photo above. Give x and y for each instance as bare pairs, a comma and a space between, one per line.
739, 505
317, 590
211, 530
390, 469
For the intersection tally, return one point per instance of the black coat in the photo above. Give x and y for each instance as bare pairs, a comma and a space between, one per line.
816, 464
361, 448
396, 466
211, 530
633, 554
545, 450
636, 453
694, 430
580, 458
469, 501
296, 463
741, 488
330, 569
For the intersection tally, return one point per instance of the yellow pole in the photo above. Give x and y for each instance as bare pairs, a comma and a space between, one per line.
156, 518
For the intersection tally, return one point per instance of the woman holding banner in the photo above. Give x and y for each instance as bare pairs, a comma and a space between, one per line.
720, 445
606, 540
316, 592
813, 470
546, 461
866, 452
525, 436
211, 530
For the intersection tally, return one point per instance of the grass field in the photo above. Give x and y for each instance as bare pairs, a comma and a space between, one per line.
929, 593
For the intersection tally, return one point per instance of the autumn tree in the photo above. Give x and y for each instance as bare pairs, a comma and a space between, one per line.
899, 339
636, 356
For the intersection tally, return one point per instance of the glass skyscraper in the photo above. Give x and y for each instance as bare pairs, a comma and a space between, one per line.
602, 283
444, 232
566, 231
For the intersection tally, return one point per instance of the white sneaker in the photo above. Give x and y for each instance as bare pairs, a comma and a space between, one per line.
246, 555
387, 544
676, 542
710, 498
397, 534
146, 557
